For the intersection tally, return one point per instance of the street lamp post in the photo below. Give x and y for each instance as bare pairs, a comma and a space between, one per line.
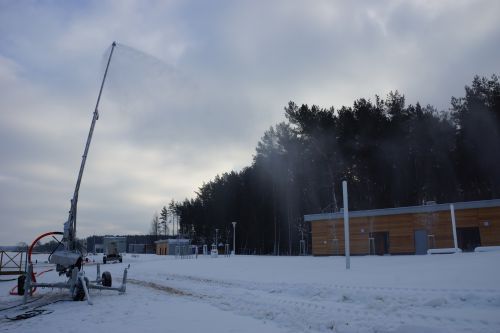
178, 236
216, 236
234, 238
346, 226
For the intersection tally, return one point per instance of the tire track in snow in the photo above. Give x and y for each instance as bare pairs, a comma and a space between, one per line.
156, 286
243, 284
297, 311
408, 297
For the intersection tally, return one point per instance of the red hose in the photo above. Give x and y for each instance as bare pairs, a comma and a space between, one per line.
33, 274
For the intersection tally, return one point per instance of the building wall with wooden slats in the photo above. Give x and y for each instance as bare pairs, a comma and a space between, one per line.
162, 248
328, 235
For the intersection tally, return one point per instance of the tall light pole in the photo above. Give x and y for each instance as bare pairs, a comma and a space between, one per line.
178, 235
454, 226
346, 226
234, 238
216, 236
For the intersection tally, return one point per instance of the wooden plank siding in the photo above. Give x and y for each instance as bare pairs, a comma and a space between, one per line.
490, 234
401, 229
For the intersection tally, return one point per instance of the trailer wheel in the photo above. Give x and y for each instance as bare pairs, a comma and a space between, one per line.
106, 279
20, 284
79, 292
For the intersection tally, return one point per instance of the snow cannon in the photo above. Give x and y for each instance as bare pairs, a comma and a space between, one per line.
68, 255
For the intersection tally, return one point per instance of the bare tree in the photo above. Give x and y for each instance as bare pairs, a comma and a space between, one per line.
155, 226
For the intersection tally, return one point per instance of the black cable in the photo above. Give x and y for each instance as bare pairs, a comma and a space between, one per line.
36, 311
53, 302
9, 280
15, 306
29, 314
59, 243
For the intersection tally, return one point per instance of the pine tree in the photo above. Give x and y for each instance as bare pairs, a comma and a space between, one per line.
163, 221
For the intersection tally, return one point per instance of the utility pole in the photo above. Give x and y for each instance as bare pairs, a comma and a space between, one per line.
234, 238
454, 227
346, 227
216, 237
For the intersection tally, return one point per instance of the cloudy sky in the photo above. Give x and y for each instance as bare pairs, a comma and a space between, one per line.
192, 87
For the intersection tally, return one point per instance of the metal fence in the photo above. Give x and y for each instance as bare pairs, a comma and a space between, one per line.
13, 262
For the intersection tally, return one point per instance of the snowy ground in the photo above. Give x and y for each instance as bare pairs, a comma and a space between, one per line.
438, 293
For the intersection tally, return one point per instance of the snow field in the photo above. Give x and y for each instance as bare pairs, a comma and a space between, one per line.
438, 293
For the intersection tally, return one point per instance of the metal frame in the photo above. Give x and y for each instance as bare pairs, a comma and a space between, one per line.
18, 268
72, 283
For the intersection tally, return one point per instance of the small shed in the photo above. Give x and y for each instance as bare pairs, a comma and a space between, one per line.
407, 230
172, 246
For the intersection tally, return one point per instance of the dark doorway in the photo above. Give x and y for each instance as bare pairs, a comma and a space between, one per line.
421, 241
468, 238
381, 240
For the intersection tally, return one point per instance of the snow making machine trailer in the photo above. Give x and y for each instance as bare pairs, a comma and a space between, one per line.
69, 260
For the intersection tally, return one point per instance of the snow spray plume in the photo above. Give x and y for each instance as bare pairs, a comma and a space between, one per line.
157, 98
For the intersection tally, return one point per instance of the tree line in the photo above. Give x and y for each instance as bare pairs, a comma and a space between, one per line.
391, 154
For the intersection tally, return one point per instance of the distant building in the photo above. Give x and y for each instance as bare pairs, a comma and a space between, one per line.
98, 248
134, 243
141, 248
173, 246
407, 230
114, 244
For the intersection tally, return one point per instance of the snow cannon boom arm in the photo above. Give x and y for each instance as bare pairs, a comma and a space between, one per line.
71, 256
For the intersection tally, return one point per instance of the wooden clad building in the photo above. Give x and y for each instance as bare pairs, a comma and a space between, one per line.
172, 246
407, 230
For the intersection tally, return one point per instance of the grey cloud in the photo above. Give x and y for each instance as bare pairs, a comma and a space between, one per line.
224, 71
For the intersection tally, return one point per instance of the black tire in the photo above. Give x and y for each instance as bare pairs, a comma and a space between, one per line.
106, 279
104, 260
79, 292
20, 284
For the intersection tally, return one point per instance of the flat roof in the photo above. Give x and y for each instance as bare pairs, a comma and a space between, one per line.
430, 208
172, 241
